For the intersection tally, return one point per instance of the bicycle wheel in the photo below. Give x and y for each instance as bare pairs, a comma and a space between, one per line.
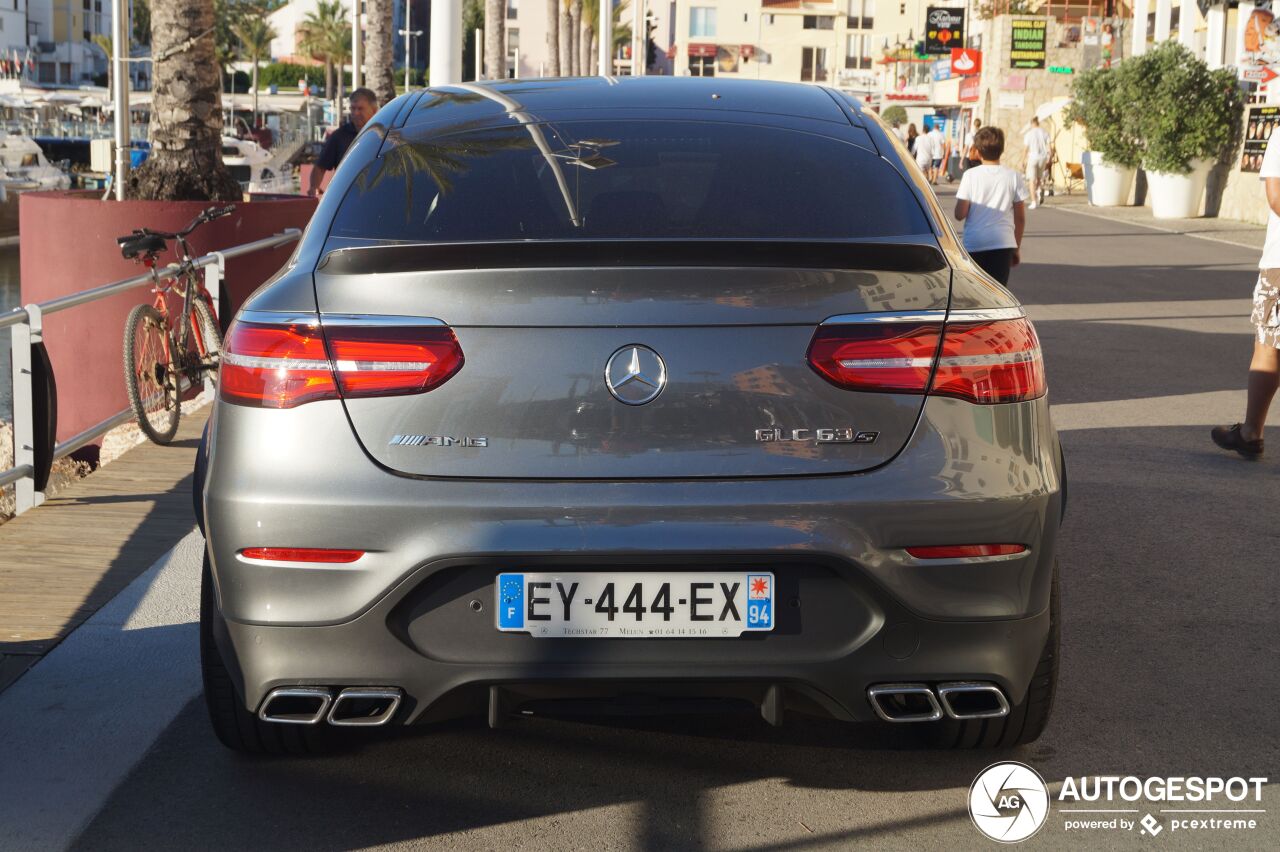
149, 380
204, 341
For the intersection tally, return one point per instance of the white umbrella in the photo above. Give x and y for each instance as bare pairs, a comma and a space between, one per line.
63, 98
1053, 107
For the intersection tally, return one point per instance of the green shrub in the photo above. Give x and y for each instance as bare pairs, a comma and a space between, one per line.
285, 75
1095, 105
894, 115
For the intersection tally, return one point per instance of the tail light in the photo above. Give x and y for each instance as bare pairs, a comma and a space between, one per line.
321, 555
965, 551
268, 365
985, 362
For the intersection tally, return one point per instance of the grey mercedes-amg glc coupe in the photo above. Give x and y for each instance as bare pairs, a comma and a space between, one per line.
582, 391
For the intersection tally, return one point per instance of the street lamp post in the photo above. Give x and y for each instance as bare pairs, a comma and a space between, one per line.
406, 32
357, 42
606, 37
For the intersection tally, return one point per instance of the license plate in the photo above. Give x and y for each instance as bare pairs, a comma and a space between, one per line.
635, 605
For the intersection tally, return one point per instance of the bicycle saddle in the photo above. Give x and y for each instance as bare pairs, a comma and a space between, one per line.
141, 244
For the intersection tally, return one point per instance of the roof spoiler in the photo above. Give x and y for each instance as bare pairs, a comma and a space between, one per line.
432, 257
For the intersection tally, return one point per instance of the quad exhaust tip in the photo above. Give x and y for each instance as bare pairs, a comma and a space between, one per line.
362, 706
918, 702
295, 705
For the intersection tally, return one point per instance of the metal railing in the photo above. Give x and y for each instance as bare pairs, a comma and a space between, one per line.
28, 323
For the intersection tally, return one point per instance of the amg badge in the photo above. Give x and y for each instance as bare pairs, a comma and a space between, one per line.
843, 435
436, 441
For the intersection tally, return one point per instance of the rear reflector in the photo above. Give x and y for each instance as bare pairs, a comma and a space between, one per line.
285, 365
984, 362
301, 554
962, 551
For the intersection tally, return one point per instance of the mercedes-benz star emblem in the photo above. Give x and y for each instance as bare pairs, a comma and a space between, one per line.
635, 374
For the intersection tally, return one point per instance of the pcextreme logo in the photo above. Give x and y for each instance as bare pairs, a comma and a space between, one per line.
1009, 802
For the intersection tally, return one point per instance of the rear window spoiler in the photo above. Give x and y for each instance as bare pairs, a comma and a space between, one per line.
886, 256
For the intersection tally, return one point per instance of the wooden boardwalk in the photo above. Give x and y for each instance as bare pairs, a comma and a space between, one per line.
61, 562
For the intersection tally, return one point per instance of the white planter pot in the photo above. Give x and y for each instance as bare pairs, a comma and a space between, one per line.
1176, 196
1108, 185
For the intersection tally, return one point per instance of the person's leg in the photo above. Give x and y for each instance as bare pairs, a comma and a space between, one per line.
995, 263
1264, 379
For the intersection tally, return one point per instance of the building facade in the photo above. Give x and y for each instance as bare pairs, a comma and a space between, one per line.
59, 37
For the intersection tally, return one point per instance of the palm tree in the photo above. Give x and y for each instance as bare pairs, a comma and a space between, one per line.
553, 38
575, 28
495, 39
378, 51
255, 35
590, 21
186, 110
325, 36
142, 22
108, 47
566, 40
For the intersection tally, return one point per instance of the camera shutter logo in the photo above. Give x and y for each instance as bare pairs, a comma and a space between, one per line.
1009, 802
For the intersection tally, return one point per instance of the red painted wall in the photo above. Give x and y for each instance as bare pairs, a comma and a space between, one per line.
68, 245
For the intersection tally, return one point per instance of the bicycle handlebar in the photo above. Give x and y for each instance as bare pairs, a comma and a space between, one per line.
132, 251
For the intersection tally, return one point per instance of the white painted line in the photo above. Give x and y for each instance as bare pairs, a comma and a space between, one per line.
75, 724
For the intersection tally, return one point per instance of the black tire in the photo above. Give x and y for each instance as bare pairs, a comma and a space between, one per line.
197, 478
1026, 720
149, 381
236, 727
207, 327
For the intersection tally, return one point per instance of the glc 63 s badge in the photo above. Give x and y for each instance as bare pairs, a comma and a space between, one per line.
841, 435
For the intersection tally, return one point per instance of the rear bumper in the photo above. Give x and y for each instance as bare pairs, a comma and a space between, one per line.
865, 611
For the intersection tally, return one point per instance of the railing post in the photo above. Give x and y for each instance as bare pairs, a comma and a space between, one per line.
213, 283
24, 431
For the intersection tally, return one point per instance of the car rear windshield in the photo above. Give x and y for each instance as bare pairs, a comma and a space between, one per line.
626, 179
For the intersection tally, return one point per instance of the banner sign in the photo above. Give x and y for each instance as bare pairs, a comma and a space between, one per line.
1027, 41
727, 58
965, 61
944, 31
969, 88
1261, 122
941, 69
1261, 44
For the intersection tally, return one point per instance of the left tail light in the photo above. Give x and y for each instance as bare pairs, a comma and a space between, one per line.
268, 365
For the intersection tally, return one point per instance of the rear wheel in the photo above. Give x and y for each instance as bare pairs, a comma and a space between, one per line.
1026, 720
149, 378
205, 341
237, 728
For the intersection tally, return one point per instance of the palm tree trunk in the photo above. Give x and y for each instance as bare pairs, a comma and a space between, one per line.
378, 52
566, 41
186, 110
495, 52
553, 38
575, 27
584, 46
328, 78
595, 47
255, 93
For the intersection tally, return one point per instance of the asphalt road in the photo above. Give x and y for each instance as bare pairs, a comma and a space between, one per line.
1169, 560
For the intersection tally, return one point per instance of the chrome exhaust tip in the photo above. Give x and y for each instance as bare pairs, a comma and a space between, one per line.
904, 702
362, 706
295, 705
971, 700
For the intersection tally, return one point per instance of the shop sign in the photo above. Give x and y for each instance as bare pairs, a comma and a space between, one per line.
1027, 40
1257, 130
1012, 100
965, 61
1015, 83
969, 87
904, 96
727, 58
703, 50
1261, 45
944, 31
1061, 69
942, 69
1259, 75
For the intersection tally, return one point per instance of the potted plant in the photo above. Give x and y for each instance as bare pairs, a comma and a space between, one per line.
1114, 152
1188, 117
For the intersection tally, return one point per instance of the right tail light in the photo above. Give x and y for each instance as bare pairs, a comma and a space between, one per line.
984, 362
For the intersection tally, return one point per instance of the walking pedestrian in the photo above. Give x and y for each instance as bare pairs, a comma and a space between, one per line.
938, 150
971, 156
1036, 142
1264, 368
364, 103
924, 152
991, 202
913, 136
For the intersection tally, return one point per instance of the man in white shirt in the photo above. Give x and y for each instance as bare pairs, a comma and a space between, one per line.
1036, 142
938, 150
1264, 370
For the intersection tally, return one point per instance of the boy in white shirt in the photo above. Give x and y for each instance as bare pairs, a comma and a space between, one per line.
991, 202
